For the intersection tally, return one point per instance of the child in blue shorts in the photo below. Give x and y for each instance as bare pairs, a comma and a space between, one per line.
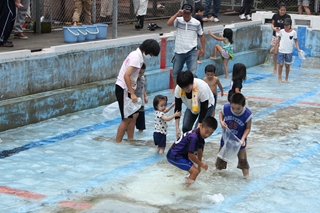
287, 37
182, 152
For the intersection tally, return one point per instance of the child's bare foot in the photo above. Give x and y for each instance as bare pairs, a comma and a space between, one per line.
199, 62
275, 71
161, 151
211, 18
157, 150
286, 80
279, 80
247, 177
140, 131
189, 182
213, 57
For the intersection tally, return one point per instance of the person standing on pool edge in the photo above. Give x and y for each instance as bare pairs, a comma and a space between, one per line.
127, 82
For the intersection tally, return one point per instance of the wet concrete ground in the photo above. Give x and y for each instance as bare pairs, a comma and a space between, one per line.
72, 164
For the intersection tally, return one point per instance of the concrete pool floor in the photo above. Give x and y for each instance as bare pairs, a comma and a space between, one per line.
72, 164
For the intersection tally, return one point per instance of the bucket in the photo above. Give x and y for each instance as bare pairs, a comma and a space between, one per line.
70, 34
82, 33
103, 29
92, 31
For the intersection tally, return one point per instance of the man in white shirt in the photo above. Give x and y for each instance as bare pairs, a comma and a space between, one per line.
188, 30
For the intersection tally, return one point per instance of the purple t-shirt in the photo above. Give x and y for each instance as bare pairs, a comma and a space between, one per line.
190, 142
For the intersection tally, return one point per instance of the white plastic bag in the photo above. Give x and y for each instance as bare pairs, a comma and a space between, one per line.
231, 146
302, 55
130, 107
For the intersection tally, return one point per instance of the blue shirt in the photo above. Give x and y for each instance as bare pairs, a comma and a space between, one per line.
189, 142
236, 123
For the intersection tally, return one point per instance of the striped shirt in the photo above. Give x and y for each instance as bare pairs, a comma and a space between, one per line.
187, 34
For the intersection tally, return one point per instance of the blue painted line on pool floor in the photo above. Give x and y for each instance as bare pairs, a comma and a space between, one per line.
257, 185
58, 138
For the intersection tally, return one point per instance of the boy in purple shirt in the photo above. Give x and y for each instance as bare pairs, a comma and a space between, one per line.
182, 152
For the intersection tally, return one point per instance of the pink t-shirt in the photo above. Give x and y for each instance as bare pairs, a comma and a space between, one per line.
134, 59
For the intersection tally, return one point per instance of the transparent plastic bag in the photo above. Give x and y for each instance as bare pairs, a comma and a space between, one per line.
302, 55
231, 146
130, 107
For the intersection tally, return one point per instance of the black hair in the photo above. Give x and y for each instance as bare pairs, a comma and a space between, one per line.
238, 98
143, 67
239, 72
210, 122
282, 4
150, 47
228, 33
185, 78
157, 99
210, 68
199, 8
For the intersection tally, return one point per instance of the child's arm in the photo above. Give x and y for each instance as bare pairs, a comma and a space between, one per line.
220, 86
146, 100
194, 159
297, 44
215, 37
222, 123
246, 132
127, 79
169, 108
169, 118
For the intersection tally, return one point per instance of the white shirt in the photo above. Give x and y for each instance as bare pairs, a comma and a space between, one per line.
159, 124
287, 41
187, 34
134, 59
204, 93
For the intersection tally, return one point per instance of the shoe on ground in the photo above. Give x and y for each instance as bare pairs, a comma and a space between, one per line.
248, 17
6, 44
216, 20
20, 35
242, 17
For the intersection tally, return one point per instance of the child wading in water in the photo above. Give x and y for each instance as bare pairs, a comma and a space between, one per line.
213, 81
287, 38
182, 152
239, 74
238, 119
141, 93
160, 124
226, 51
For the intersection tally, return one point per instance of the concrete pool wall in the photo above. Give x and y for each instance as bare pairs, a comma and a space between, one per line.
69, 78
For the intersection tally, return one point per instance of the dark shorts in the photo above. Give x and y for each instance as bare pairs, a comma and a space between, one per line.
120, 94
182, 163
159, 139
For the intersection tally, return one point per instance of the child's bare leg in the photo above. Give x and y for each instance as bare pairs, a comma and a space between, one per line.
225, 64
245, 173
194, 172
157, 149
122, 128
275, 56
215, 51
131, 125
287, 72
161, 150
280, 73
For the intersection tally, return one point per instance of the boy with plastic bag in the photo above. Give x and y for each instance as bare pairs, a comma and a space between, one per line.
182, 152
237, 118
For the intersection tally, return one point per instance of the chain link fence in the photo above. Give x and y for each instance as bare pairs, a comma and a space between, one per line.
59, 12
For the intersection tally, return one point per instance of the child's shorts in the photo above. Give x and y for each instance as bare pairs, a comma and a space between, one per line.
182, 163
284, 58
304, 3
159, 139
273, 40
225, 54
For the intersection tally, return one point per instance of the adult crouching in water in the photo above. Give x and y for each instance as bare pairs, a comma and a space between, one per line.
127, 82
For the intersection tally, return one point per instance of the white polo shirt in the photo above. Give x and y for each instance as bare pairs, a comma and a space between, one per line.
187, 34
134, 59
